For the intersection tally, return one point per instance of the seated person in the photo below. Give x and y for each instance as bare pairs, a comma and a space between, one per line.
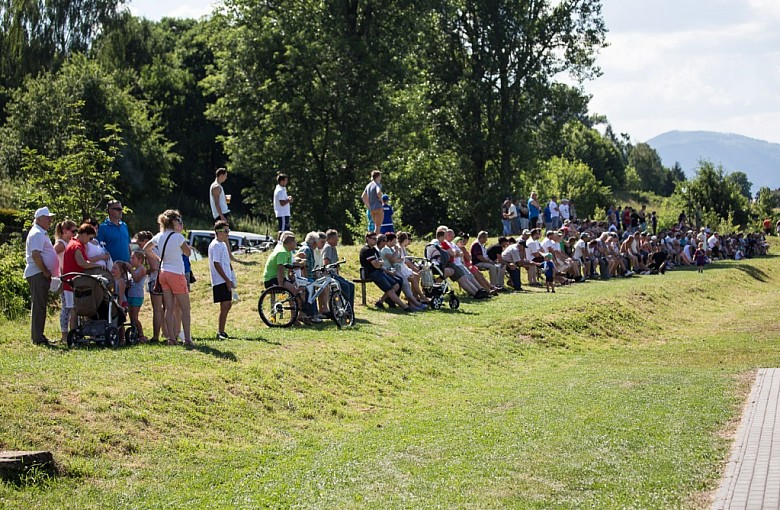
462, 275
306, 258
480, 258
404, 240
371, 265
275, 273
330, 255
513, 258
393, 266
460, 242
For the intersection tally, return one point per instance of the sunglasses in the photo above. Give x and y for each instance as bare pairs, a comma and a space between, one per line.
116, 209
225, 230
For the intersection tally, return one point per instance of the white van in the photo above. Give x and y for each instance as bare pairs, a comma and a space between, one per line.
199, 240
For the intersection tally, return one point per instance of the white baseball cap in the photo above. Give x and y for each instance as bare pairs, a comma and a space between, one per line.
43, 211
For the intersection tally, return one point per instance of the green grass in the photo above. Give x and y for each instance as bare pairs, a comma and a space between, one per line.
621, 394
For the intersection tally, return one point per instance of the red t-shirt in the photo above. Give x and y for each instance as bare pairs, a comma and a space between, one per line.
69, 264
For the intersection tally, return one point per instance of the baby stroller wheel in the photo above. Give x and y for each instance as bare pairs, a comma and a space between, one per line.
112, 337
436, 303
73, 339
277, 307
454, 302
131, 336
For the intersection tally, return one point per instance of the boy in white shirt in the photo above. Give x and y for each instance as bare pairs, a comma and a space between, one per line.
223, 280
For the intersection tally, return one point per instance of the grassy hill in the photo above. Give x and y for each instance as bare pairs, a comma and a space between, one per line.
607, 394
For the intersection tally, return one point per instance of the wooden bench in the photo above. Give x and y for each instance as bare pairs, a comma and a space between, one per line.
362, 281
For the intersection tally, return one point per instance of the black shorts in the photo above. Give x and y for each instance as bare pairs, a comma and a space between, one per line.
382, 280
271, 283
221, 293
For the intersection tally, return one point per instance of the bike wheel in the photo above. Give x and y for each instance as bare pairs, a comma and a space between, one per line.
341, 310
277, 307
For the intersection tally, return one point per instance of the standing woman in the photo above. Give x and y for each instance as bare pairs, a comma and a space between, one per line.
158, 313
172, 246
63, 233
372, 197
75, 260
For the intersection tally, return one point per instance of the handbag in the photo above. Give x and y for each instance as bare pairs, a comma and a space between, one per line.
157, 289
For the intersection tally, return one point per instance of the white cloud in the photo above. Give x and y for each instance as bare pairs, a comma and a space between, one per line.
718, 74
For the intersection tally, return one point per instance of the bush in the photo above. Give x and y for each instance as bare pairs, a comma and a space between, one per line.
14, 291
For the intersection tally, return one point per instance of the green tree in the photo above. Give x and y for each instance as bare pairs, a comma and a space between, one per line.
595, 150
712, 193
573, 180
302, 88
492, 70
652, 174
742, 182
78, 183
766, 203
40, 113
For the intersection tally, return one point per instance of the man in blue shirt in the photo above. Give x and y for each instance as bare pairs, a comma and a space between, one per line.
114, 234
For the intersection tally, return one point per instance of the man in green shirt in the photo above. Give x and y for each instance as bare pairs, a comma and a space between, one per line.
275, 272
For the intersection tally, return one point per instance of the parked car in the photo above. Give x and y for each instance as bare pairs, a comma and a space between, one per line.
239, 241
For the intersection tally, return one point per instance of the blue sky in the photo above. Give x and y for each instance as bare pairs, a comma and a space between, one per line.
711, 65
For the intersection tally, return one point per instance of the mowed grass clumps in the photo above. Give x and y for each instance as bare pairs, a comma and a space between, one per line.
608, 394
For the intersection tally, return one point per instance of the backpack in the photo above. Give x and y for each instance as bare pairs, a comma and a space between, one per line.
437, 253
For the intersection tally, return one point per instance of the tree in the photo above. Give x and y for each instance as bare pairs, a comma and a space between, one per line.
40, 113
78, 183
766, 203
492, 68
742, 182
652, 174
595, 150
303, 88
712, 192
573, 180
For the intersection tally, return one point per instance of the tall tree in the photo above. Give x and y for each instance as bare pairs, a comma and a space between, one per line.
302, 90
492, 68
742, 182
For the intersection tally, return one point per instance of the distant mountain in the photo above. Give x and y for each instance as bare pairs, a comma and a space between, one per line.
760, 160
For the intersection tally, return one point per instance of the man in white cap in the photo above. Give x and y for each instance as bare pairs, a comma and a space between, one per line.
42, 264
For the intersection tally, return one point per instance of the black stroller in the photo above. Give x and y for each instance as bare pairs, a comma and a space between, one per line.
430, 272
99, 312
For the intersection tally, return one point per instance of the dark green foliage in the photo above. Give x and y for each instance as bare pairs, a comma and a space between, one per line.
14, 290
712, 192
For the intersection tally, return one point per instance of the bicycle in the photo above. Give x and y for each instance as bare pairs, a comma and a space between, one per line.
279, 308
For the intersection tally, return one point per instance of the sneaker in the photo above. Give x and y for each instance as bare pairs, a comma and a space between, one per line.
315, 320
629, 273
418, 308
222, 336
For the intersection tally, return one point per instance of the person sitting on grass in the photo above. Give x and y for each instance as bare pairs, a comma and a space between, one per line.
513, 257
371, 264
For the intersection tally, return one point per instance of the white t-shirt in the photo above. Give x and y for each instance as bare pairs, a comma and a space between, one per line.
554, 211
512, 211
222, 200
280, 193
712, 241
688, 250
172, 263
511, 254
218, 252
564, 210
579, 249
549, 245
532, 247
38, 240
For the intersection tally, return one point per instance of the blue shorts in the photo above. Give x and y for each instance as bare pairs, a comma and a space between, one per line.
382, 280
135, 301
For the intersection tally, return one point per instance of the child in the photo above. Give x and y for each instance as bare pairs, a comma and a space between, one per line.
700, 257
387, 218
119, 271
135, 295
549, 272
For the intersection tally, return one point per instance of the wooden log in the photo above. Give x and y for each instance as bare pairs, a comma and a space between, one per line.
16, 463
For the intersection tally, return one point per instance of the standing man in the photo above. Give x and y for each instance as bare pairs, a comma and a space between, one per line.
42, 263
533, 210
555, 213
217, 198
372, 198
282, 203
113, 233
223, 280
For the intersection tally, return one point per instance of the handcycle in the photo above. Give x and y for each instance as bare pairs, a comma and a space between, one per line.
279, 308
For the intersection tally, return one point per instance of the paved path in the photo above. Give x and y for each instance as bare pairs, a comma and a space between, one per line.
752, 479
